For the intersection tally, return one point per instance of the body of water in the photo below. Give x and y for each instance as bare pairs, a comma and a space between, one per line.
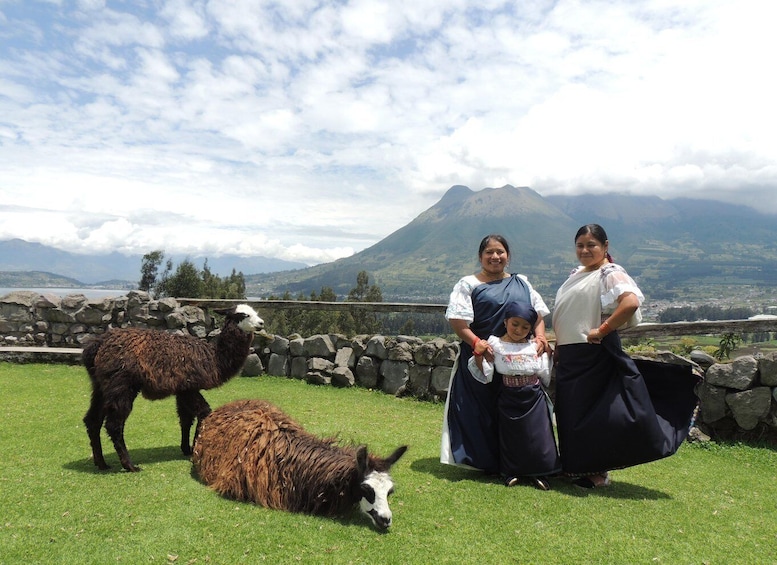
91, 293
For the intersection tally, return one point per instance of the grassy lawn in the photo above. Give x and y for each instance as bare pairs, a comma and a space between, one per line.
714, 504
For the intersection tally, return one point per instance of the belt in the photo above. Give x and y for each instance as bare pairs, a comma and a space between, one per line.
511, 381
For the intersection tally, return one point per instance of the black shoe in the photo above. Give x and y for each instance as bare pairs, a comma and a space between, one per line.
541, 483
588, 482
584, 482
511, 481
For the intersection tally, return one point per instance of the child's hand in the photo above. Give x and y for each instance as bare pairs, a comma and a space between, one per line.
488, 354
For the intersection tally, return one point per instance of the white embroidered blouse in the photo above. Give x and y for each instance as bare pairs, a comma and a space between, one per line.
587, 296
460, 303
515, 359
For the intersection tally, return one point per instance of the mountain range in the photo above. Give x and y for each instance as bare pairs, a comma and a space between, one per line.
673, 247
18, 257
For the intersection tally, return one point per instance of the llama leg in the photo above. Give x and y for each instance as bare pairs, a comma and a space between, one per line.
191, 404
94, 421
115, 417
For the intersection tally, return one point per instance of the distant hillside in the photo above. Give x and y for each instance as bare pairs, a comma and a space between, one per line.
35, 279
19, 256
681, 246
673, 247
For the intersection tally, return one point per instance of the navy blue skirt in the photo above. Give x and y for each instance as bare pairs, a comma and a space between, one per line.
614, 412
527, 445
472, 406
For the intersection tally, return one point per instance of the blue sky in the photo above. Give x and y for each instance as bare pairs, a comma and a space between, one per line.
310, 130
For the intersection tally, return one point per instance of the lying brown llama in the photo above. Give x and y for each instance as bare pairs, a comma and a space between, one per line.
249, 450
127, 361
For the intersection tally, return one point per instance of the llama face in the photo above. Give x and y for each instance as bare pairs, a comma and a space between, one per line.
376, 488
251, 323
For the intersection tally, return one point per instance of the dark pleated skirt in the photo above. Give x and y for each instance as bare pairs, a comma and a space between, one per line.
614, 412
472, 423
526, 440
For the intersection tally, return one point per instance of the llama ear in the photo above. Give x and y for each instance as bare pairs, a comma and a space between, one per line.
394, 457
361, 460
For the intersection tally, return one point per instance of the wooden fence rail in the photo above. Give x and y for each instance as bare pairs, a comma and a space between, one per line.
718, 327
315, 305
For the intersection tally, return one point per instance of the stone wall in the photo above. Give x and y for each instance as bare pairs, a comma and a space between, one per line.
738, 399
395, 365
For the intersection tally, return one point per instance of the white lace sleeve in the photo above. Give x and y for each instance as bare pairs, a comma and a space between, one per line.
486, 375
616, 281
544, 372
460, 302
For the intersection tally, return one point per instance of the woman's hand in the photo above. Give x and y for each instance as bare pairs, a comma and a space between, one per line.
595, 336
542, 345
627, 305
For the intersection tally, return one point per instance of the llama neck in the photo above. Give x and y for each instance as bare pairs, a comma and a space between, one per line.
231, 350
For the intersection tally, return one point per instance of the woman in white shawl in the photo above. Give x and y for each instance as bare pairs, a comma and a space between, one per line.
611, 411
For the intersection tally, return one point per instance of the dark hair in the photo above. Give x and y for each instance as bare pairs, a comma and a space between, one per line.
494, 236
597, 232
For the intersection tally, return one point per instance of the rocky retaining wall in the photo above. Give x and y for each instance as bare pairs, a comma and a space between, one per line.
738, 399
395, 365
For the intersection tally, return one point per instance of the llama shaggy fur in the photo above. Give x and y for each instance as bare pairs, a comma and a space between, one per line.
250, 450
124, 362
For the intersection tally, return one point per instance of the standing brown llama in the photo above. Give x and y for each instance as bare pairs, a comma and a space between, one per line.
124, 362
249, 450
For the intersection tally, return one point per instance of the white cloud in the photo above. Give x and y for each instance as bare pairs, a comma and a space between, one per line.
186, 19
309, 130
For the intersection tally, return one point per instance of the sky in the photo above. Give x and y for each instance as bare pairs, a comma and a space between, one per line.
309, 130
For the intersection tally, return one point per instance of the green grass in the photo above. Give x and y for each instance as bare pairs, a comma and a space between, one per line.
713, 505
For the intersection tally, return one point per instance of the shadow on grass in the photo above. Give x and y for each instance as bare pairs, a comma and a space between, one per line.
351, 519
622, 490
432, 466
139, 457
618, 490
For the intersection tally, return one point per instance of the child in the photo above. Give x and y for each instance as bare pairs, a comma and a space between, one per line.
527, 445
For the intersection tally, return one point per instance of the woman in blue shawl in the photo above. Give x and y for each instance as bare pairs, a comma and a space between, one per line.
476, 308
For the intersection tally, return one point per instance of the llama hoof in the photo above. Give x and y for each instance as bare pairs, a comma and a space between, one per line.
100, 464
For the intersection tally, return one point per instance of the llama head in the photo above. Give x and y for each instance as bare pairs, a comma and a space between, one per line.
244, 317
376, 485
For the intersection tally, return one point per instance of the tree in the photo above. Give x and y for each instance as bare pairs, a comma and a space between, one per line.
211, 284
320, 321
234, 286
161, 284
362, 292
149, 269
365, 322
185, 283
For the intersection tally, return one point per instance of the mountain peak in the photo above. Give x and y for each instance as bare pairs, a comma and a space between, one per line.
456, 192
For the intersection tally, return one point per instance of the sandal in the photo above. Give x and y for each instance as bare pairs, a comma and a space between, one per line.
541, 483
590, 482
